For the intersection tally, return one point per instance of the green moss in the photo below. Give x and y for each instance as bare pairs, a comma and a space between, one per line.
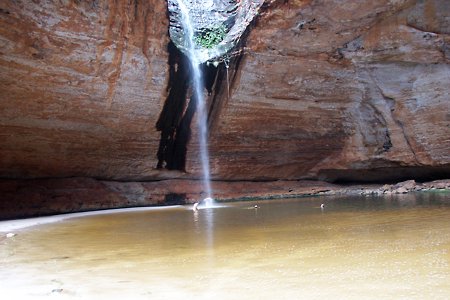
210, 37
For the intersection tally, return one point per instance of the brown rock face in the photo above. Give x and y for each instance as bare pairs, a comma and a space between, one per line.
349, 90
82, 84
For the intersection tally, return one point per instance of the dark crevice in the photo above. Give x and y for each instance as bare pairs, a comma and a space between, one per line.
179, 109
387, 143
172, 122
226, 78
390, 174
211, 74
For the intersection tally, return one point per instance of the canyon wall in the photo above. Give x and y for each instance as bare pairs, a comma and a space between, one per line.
82, 84
328, 90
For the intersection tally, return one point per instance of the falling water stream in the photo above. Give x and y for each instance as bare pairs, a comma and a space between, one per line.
205, 31
198, 87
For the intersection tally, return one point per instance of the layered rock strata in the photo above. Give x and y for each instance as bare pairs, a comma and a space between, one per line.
331, 90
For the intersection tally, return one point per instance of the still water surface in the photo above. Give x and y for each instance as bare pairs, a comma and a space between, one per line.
354, 248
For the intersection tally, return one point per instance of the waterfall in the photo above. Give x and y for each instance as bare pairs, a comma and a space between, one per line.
205, 31
198, 87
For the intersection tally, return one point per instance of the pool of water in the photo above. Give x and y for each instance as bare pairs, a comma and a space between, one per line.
395, 247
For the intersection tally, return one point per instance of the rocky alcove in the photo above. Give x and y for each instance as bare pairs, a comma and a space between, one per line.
336, 91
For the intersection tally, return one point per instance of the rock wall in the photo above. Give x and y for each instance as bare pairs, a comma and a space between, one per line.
82, 84
335, 90
344, 91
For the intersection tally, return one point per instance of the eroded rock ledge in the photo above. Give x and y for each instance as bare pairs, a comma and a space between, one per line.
53, 196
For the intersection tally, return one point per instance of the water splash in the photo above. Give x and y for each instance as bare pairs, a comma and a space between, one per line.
208, 202
198, 88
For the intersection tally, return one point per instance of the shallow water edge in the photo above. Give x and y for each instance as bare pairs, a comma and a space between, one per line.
44, 197
18, 224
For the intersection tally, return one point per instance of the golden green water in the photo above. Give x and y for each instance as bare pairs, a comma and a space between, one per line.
354, 248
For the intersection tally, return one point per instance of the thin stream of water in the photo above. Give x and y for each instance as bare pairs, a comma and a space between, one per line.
198, 86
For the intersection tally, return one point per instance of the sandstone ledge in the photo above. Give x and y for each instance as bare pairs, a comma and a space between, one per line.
38, 197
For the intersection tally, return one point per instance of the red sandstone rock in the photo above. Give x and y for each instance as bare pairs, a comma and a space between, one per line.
81, 84
353, 90
341, 91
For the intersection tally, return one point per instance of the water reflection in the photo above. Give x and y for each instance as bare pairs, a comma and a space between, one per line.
394, 247
204, 225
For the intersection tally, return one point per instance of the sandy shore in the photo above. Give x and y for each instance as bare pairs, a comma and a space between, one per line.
11, 226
